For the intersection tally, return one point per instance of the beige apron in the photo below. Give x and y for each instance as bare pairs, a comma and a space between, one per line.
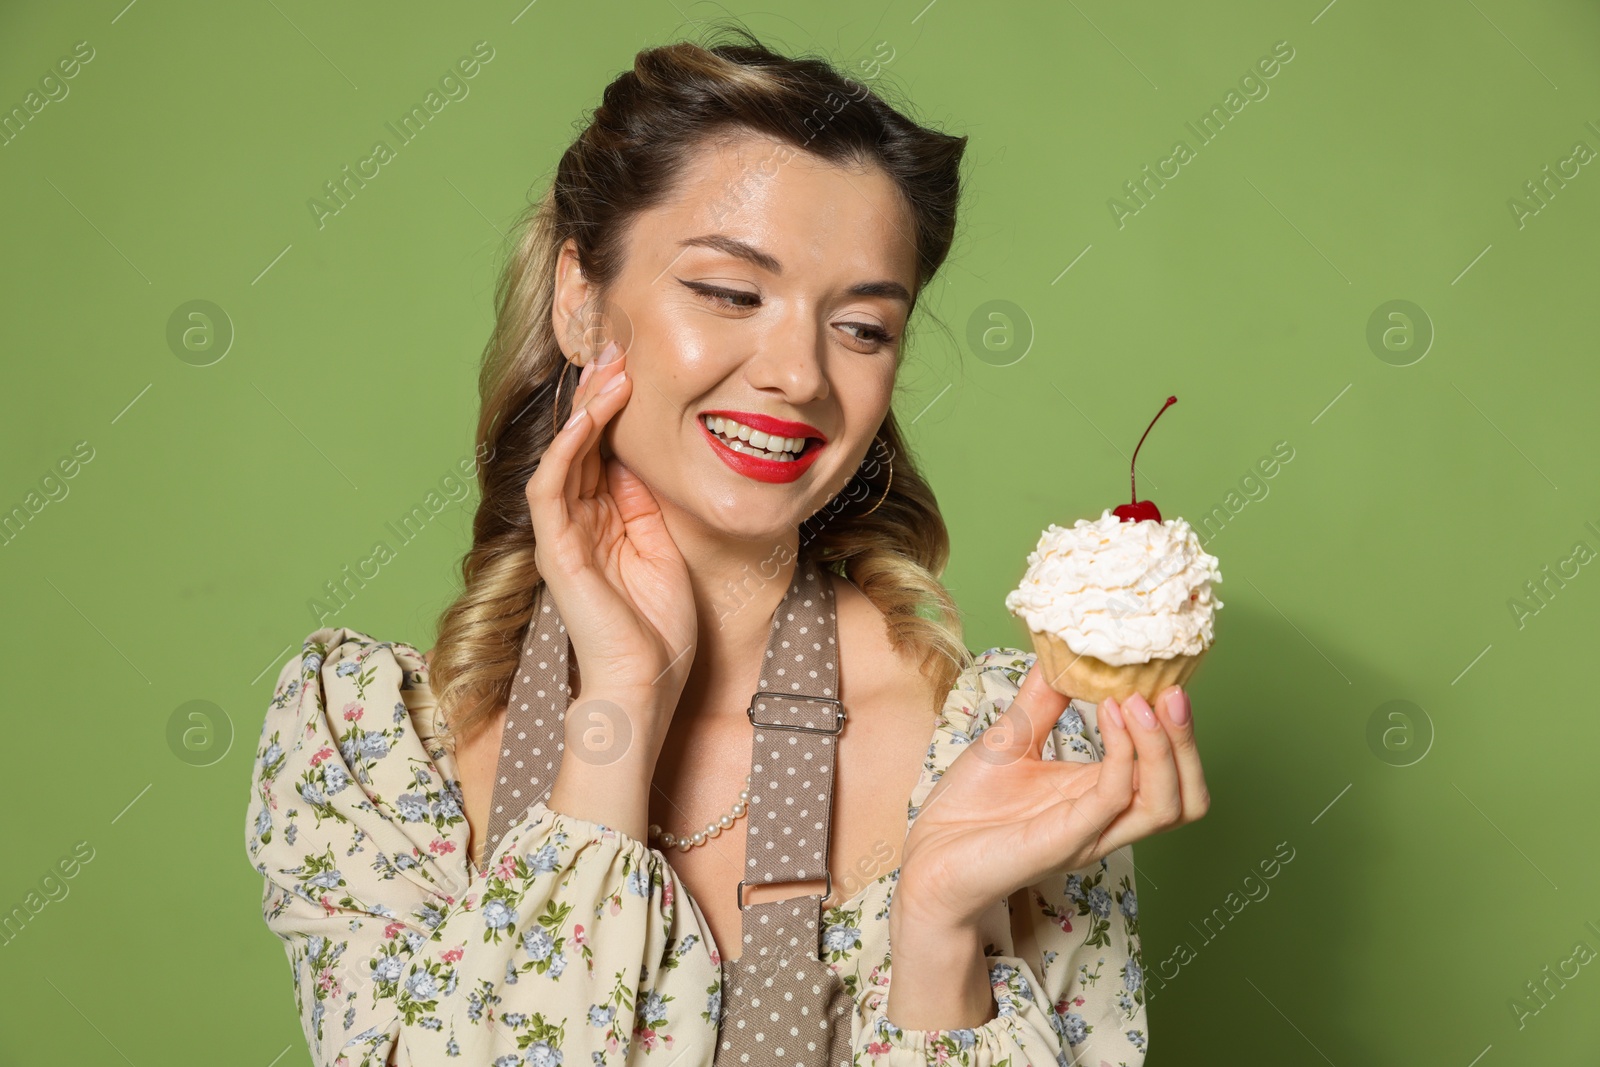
781, 1002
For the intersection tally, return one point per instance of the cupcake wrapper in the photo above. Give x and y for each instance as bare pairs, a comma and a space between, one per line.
1090, 679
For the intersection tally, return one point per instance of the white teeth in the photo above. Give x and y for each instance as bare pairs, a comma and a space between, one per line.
742, 438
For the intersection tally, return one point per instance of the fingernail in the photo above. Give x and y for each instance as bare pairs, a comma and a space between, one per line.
614, 384
608, 353
1178, 707
1142, 712
1113, 714
576, 415
588, 369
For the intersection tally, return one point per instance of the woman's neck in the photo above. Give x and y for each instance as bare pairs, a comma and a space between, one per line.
737, 586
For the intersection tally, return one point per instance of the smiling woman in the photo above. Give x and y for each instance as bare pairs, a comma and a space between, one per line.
606, 817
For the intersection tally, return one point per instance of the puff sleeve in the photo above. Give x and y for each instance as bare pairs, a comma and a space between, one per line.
1065, 967
573, 943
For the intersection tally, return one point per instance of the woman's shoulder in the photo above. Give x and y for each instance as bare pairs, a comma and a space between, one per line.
993, 676
342, 662
349, 751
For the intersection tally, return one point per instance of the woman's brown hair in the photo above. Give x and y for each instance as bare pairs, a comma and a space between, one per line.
652, 121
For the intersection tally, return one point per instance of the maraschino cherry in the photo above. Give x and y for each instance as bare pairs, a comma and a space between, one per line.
1139, 510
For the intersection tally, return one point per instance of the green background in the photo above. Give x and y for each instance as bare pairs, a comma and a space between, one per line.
1434, 873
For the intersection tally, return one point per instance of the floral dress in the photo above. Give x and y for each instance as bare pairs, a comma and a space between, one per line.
580, 947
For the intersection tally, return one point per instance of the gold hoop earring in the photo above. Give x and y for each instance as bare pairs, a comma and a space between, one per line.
555, 415
886, 485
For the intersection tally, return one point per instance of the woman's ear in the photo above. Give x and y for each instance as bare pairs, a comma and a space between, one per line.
572, 294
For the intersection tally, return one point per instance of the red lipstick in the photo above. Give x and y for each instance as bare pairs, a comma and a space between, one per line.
765, 470
767, 424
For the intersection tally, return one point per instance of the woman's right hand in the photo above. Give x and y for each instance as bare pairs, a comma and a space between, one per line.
619, 581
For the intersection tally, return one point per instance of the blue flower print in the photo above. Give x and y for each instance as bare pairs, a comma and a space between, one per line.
1100, 902
387, 969
840, 937
334, 777
639, 882
1074, 890
1070, 721
1132, 976
399, 710
511, 1059
558, 964
1075, 1029
375, 746
543, 861
538, 943
272, 755
312, 663
413, 807
347, 668
601, 1015
1130, 904
330, 879
263, 820
496, 916
422, 986
540, 1054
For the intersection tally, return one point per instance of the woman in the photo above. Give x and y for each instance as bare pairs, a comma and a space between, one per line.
731, 251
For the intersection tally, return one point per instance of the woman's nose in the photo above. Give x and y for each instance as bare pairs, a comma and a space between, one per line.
791, 359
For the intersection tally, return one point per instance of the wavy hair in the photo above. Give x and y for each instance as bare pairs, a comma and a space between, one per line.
648, 128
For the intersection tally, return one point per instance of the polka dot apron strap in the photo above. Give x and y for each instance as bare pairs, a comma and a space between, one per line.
781, 1003
531, 743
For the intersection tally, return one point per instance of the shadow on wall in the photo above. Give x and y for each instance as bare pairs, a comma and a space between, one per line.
1265, 889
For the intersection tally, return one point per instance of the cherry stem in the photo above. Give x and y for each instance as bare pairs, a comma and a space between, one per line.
1132, 485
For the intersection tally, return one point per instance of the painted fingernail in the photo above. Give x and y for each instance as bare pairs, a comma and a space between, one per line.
1178, 707
588, 369
614, 384
1113, 714
608, 353
1142, 712
576, 415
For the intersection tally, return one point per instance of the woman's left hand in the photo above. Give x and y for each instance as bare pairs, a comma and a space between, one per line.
1002, 817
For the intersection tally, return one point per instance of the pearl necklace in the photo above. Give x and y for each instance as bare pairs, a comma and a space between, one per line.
684, 844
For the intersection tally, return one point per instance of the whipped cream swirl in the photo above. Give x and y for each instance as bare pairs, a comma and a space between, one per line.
1123, 592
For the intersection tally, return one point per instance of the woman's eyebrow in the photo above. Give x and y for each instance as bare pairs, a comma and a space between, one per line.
748, 252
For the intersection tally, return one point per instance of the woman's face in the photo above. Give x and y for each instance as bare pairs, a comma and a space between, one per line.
773, 288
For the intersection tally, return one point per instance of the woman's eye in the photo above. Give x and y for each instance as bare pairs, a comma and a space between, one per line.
870, 334
724, 297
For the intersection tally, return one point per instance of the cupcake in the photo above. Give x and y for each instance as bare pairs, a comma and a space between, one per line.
1119, 605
